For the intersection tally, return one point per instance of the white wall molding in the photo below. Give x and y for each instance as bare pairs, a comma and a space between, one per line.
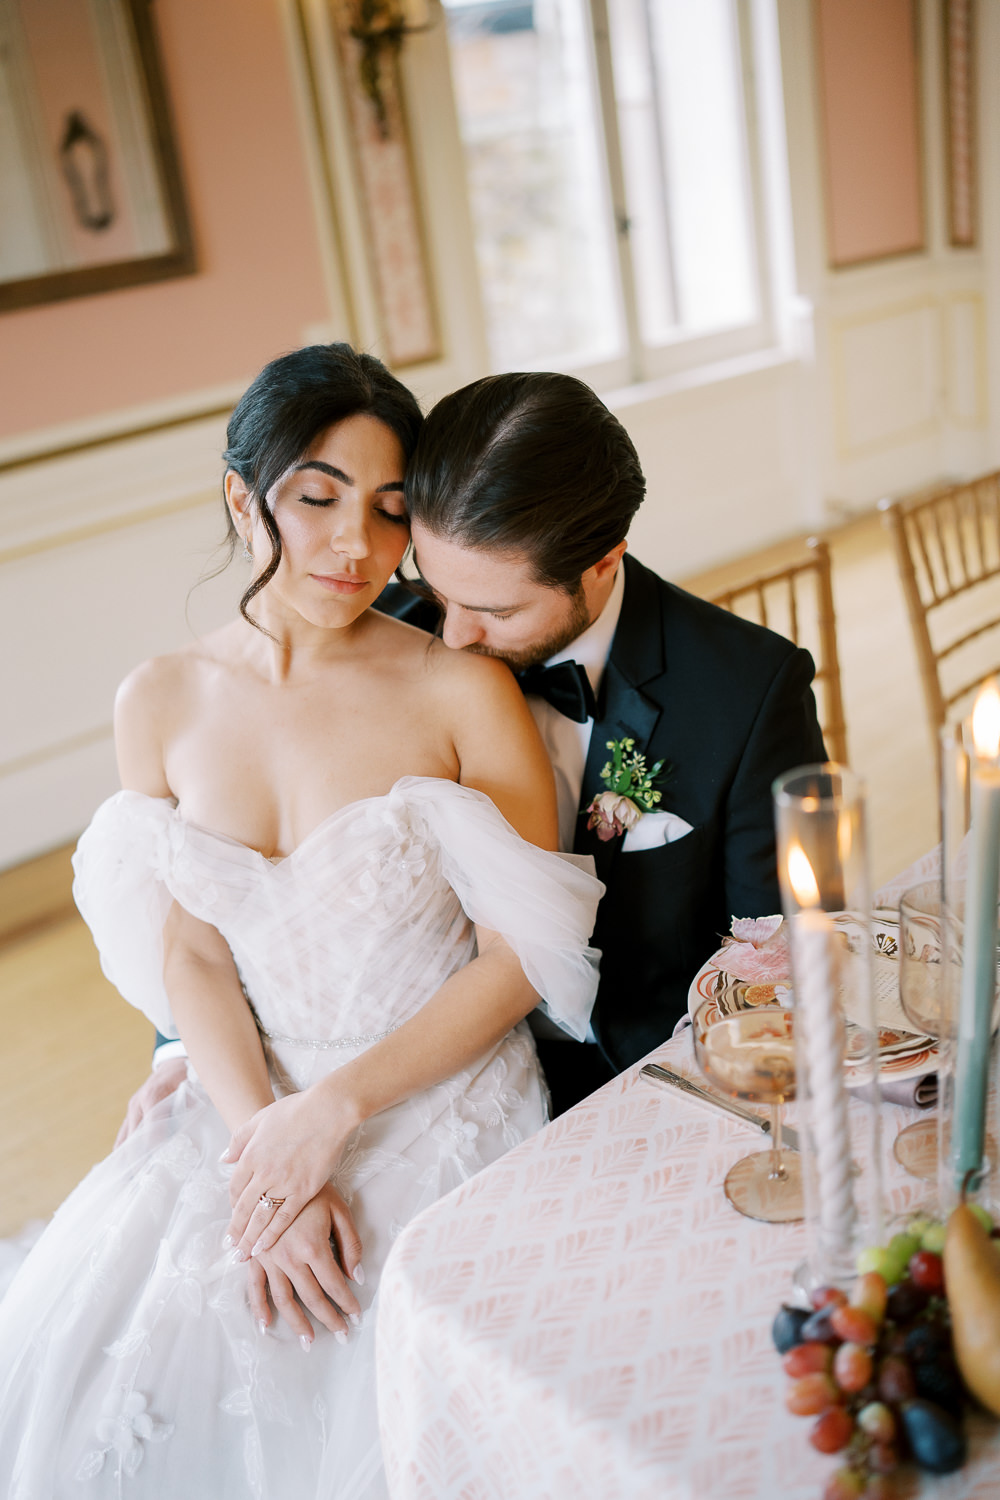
64, 499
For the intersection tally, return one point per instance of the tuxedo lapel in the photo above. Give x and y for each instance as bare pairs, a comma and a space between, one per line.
624, 711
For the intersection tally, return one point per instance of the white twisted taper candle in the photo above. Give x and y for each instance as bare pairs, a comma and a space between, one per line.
818, 1013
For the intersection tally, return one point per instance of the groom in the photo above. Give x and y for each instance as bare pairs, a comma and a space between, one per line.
521, 492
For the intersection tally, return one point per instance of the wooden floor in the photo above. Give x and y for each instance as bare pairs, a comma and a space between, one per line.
74, 1051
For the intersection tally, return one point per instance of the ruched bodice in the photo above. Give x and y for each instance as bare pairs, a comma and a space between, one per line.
130, 1365
325, 939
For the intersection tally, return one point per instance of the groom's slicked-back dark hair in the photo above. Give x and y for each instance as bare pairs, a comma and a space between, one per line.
532, 464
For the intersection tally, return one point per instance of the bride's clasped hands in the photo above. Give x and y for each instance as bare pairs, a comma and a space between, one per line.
282, 1157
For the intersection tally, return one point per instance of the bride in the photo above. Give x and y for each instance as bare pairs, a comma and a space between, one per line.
317, 876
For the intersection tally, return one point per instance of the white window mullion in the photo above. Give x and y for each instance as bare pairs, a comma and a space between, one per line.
616, 184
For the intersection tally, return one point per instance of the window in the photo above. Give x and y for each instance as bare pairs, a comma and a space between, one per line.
612, 168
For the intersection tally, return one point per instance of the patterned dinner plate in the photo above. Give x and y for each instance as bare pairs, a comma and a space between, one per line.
902, 1053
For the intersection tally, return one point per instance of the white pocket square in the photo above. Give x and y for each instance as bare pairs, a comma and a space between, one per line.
654, 829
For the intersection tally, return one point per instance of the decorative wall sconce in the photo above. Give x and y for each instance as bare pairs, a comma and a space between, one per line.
379, 27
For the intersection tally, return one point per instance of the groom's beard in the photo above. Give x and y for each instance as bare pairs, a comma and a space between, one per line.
576, 622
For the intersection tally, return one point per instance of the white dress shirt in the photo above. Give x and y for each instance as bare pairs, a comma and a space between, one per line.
567, 742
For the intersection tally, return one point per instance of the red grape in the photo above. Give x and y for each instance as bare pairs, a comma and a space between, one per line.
895, 1379
833, 1430
824, 1296
883, 1458
811, 1395
871, 1294
927, 1272
807, 1359
852, 1367
854, 1325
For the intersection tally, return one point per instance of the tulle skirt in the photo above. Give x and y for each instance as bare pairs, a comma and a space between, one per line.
130, 1363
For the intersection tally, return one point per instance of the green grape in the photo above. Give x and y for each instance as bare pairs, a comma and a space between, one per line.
933, 1239
903, 1245
877, 1259
981, 1215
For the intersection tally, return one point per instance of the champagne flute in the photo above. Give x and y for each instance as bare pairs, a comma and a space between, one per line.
751, 1055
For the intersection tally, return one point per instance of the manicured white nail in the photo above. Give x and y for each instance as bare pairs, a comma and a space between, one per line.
225, 1156
238, 1257
359, 1274
258, 1247
355, 1319
306, 1343
340, 1336
262, 1326
228, 1242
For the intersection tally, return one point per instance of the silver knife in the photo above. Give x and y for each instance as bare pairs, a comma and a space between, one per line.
789, 1137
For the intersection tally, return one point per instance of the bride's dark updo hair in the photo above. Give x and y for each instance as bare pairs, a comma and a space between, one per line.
281, 415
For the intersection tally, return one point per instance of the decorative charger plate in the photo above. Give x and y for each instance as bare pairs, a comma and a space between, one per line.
902, 1053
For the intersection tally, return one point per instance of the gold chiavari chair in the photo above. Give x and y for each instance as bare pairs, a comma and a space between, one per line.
797, 602
948, 553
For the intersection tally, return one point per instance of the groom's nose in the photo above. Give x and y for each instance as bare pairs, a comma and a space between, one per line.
461, 628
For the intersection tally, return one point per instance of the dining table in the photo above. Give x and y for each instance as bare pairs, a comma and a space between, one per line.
589, 1319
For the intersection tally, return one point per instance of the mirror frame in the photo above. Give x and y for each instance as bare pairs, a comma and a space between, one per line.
56, 286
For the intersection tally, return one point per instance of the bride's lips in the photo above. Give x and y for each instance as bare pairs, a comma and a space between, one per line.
341, 583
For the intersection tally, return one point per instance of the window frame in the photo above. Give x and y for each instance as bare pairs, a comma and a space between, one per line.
639, 361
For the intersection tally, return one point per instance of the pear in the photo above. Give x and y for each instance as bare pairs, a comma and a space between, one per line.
972, 1283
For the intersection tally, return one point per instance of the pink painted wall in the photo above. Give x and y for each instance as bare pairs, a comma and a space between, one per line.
869, 94
259, 281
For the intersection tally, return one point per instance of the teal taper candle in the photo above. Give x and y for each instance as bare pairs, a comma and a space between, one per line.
979, 953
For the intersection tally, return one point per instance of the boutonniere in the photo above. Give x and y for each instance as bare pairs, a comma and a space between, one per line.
630, 791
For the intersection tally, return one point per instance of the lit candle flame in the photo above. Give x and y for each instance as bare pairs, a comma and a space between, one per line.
986, 721
801, 877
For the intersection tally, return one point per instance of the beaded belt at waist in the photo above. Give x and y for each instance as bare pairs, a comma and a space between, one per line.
365, 1039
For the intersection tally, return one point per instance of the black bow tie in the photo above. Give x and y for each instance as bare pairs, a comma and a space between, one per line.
566, 686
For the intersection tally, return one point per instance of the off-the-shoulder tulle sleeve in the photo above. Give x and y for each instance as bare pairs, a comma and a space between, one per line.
119, 888
542, 904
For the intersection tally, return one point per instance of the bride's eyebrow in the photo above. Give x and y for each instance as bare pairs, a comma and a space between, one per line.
334, 473
317, 463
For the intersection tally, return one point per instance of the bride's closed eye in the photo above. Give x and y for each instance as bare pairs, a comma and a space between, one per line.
399, 516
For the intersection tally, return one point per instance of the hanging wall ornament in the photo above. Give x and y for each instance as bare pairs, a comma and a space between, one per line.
84, 160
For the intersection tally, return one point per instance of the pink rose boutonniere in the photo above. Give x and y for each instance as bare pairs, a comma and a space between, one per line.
630, 791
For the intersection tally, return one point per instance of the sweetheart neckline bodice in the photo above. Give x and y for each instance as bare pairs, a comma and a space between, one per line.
172, 805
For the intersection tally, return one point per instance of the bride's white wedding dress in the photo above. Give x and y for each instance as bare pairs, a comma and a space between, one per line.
130, 1364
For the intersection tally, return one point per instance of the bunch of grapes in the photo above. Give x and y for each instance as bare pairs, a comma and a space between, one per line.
877, 1370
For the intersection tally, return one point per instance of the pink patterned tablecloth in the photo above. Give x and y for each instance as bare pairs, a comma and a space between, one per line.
588, 1319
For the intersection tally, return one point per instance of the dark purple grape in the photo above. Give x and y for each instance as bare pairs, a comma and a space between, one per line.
818, 1329
905, 1301
940, 1382
893, 1341
927, 1342
786, 1330
936, 1439
895, 1380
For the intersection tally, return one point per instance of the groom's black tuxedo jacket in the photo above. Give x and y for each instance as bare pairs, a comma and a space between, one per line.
728, 706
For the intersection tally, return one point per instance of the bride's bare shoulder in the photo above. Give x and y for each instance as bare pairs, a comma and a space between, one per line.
161, 682
161, 690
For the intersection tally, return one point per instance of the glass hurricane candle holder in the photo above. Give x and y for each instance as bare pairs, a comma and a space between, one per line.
822, 866
968, 1123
